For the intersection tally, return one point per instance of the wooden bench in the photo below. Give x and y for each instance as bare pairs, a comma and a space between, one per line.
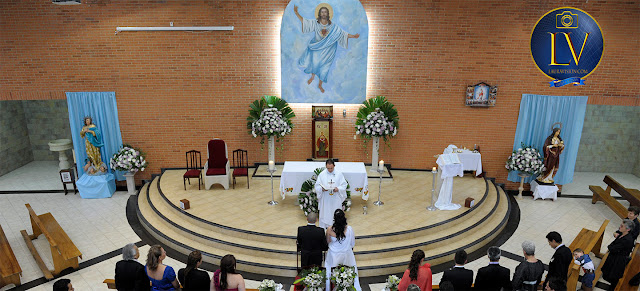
590, 242
599, 194
63, 252
10, 271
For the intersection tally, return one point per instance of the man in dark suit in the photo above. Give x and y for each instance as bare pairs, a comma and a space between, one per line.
493, 276
461, 278
561, 260
130, 274
311, 242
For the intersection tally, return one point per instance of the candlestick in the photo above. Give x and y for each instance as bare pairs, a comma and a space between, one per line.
434, 169
381, 165
432, 207
272, 165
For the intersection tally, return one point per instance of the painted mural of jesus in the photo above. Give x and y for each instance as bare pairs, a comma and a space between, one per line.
321, 50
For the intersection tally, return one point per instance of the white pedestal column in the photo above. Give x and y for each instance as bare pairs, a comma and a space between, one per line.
272, 149
131, 183
375, 147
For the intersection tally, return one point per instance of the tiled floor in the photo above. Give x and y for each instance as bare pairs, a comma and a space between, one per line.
37, 175
100, 226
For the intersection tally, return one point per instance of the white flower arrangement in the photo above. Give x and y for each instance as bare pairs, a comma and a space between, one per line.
313, 279
526, 160
128, 159
270, 123
308, 199
377, 118
392, 283
377, 124
343, 277
269, 285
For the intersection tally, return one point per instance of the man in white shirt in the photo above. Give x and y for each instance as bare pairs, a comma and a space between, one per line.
331, 189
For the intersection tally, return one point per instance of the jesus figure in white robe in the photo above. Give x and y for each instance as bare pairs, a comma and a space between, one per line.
331, 189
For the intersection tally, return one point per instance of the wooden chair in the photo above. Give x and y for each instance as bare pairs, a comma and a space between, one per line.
194, 166
64, 253
217, 169
240, 165
10, 270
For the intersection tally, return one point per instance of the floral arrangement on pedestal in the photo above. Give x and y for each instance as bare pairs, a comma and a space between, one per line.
377, 118
313, 279
526, 160
269, 285
392, 283
343, 278
308, 199
270, 116
128, 159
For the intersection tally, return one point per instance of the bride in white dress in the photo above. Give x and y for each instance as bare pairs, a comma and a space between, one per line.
341, 241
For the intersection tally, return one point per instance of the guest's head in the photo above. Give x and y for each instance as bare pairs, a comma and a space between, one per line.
556, 284
528, 248
339, 224
194, 260
227, 266
130, 252
330, 164
413, 287
578, 253
633, 212
554, 239
155, 256
312, 217
446, 286
416, 260
62, 285
626, 226
461, 257
494, 254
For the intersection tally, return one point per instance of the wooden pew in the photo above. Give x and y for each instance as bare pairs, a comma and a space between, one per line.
600, 194
10, 271
590, 242
633, 267
63, 252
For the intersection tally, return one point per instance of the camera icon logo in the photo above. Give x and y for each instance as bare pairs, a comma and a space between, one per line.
566, 19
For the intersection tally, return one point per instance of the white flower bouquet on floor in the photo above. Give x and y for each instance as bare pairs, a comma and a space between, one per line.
128, 159
343, 277
313, 279
269, 285
526, 160
392, 283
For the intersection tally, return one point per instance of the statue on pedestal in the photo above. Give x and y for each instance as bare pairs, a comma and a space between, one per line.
93, 142
553, 147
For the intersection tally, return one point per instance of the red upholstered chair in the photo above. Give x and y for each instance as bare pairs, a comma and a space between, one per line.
194, 166
217, 169
240, 166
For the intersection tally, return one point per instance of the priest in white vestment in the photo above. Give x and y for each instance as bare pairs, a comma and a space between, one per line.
331, 189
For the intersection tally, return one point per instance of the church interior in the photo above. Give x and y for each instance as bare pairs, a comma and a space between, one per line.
185, 86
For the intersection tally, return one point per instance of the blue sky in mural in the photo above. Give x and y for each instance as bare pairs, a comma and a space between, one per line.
347, 77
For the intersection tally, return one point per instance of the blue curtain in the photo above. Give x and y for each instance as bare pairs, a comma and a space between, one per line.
537, 114
102, 107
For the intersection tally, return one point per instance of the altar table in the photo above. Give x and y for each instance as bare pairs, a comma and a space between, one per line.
294, 174
446, 173
544, 191
471, 161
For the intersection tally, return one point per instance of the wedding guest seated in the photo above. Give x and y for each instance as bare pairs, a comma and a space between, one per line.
619, 250
130, 273
190, 277
62, 285
162, 277
413, 287
633, 216
226, 278
528, 274
418, 274
493, 276
312, 242
461, 278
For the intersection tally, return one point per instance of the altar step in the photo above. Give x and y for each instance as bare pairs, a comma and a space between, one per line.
273, 254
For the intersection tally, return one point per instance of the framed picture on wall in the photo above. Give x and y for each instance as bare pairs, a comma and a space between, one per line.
322, 112
481, 95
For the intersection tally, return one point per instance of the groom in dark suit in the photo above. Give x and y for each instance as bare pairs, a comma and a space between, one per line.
311, 242
493, 276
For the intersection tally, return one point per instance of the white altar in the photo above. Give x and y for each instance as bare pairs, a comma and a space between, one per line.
447, 171
471, 161
544, 191
294, 174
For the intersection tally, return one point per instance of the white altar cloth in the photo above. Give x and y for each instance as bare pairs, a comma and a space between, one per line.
296, 173
471, 161
446, 173
544, 191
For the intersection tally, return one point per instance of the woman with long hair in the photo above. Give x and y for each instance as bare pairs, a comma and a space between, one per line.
418, 273
162, 277
341, 239
226, 278
190, 277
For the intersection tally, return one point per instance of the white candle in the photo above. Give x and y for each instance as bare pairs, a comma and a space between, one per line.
434, 169
381, 165
272, 165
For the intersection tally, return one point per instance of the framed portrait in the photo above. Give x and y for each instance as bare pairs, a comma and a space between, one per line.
322, 139
481, 95
66, 176
322, 112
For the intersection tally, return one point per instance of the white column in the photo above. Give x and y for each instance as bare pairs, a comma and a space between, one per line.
375, 147
272, 148
131, 183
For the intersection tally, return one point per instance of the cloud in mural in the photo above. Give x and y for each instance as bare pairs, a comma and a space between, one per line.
324, 52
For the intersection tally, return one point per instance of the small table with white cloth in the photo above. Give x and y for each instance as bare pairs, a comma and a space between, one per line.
294, 174
544, 191
446, 173
471, 161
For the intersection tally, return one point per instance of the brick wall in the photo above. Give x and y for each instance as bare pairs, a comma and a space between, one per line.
176, 90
